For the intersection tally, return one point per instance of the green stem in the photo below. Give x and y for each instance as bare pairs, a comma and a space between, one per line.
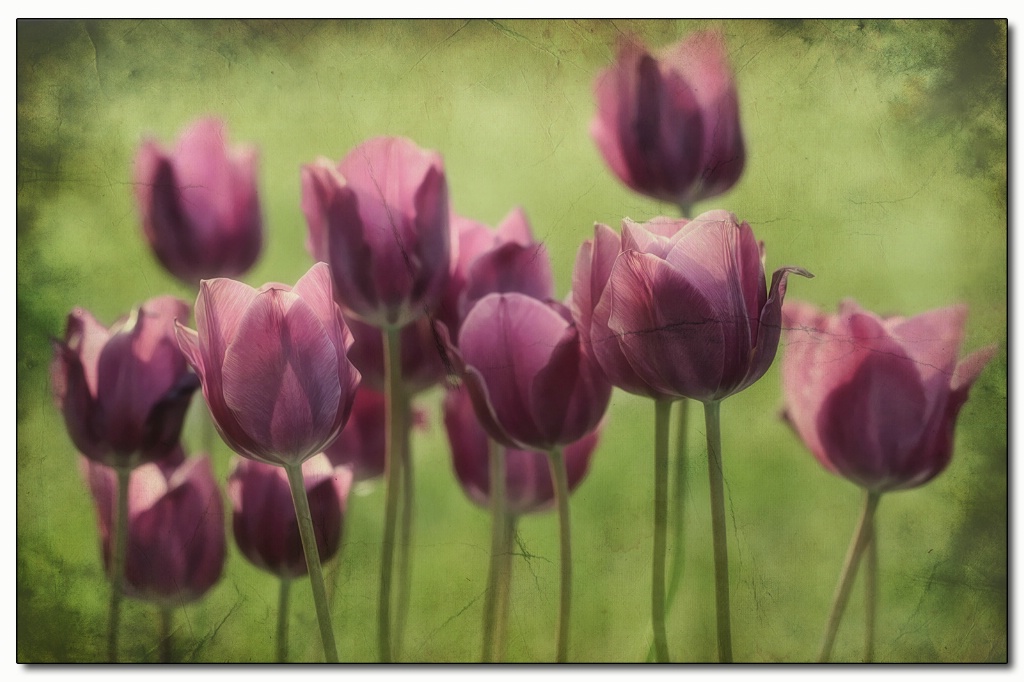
662, 413
496, 462
166, 645
119, 559
405, 529
504, 587
283, 593
860, 540
560, 480
721, 550
393, 463
316, 574
871, 595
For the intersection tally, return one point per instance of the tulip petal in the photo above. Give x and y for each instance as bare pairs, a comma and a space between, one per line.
769, 327
508, 268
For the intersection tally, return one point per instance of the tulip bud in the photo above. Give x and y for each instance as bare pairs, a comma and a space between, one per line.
199, 204
669, 128
263, 516
175, 544
124, 391
876, 400
273, 365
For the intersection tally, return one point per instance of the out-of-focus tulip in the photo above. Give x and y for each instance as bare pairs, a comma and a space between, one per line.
876, 400
124, 391
361, 445
679, 309
273, 365
199, 203
533, 383
528, 486
493, 261
422, 362
669, 128
380, 218
175, 548
264, 518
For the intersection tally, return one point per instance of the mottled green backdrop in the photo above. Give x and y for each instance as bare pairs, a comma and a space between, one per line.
877, 160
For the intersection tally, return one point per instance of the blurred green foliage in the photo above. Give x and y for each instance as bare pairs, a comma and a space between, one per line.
877, 160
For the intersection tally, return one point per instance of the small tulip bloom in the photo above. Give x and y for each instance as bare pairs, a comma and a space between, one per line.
175, 548
534, 385
669, 127
273, 365
124, 391
679, 309
528, 484
380, 218
199, 203
361, 445
263, 516
876, 399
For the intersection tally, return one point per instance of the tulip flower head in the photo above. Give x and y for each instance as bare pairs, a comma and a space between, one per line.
175, 548
669, 128
528, 485
422, 363
532, 381
199, 203
876, 399
677, 308
361, 445
124, 391
380, 218
263, 516
273, 365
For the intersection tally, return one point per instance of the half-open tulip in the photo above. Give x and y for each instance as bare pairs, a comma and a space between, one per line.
876, 399
273, 365
669, 127
124, 391
380, 218
199, 203
679, 309
175, 548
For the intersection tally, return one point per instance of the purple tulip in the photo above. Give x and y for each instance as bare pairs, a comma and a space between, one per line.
273, 365
422, 363
679, 309
528, 486
876, 400
361, 445
124, 391
532, 381
200, 206
264, 518
380, 218
175, 547
670, 127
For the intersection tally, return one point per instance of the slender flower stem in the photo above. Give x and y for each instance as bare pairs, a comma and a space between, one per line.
120, 555
662, 413
870, 595
861, 537
316, 574
721, 550
282, 619
394, 436
497, 488
405, 529
166, 646
504, 587
556, 464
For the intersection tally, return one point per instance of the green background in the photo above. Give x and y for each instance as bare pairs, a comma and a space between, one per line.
877, 160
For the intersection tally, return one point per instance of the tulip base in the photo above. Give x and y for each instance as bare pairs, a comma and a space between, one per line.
393, 462
556, 462
405, 530
497, 489
281, 640
119, 560
166, 644
721, 551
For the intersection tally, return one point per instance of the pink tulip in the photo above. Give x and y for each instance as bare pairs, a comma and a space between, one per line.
669, 128
528, 486
124, 391
380, 218
361, 445
422, 363
876, 399
264, 518
199, 203
273, 365
175, 547
679, 309
532, 381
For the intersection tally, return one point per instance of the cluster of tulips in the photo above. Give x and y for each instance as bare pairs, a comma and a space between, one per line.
312, 385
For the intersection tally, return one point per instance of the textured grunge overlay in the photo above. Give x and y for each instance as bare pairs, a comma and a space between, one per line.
877, 160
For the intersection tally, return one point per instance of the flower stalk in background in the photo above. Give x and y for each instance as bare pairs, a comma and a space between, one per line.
278, 383
875, 400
